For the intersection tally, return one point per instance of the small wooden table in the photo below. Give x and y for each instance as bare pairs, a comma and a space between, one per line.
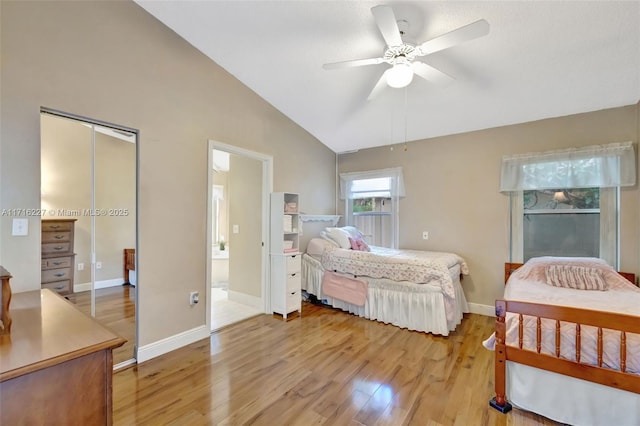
56, 366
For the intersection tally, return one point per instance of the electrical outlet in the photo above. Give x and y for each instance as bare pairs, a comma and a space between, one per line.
98, 265
425, 235
80, 266
194, 297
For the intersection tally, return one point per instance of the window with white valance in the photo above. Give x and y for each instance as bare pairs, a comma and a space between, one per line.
372, 203
559, 181
599, 166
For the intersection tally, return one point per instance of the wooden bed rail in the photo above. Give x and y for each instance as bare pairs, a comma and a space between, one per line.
620, 379
622, 323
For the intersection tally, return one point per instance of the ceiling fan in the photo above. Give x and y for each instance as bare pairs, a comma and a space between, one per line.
402, 55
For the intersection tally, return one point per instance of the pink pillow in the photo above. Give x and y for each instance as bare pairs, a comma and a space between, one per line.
358, 244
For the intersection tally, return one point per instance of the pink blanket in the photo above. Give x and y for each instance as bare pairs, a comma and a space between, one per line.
350, 290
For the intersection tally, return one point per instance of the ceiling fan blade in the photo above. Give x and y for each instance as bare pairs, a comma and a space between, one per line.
468, 32
430, 73
380, 85
386, 20
354, 63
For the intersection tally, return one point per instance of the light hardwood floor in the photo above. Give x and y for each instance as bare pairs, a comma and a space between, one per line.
325, 367
115, 309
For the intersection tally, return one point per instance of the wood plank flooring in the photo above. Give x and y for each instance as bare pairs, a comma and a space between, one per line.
326, 367
115, 309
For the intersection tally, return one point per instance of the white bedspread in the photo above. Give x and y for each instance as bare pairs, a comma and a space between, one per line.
622, 297
399, 265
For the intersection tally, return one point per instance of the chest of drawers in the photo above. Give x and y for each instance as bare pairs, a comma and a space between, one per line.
58, 258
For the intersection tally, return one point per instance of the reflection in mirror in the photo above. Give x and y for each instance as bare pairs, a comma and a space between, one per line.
89, 175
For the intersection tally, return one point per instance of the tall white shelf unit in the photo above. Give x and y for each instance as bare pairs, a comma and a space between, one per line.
286, 262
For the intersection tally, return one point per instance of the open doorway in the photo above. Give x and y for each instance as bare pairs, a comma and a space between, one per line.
239, 185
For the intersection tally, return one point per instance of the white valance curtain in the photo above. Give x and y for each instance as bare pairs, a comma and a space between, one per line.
598, 166
386, 182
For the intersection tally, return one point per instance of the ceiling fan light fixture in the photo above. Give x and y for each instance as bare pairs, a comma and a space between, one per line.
400, 75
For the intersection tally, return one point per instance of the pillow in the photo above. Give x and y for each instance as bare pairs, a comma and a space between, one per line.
576, 277
340, 236
359, 244
325, 237
535, 268
353, 232
317, 246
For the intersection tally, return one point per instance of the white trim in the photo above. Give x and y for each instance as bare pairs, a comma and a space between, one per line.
99, 284
486, 310
172, 343
245, 299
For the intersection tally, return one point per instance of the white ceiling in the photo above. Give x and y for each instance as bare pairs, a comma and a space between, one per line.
540, 60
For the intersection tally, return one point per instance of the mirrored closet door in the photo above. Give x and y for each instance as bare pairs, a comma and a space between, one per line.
89, 232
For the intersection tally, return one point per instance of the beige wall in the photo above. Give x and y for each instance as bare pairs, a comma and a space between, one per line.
452, 189
112, 61
245, 211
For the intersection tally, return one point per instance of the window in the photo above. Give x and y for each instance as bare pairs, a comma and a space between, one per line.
565, 222
565, 203
371, 204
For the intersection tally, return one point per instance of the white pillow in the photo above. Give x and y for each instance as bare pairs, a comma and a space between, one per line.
353, 232
340, 236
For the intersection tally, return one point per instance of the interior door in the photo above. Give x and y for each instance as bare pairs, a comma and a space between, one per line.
89, 174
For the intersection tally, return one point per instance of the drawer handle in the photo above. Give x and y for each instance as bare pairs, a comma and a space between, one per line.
293, 275
59, 237
60, 274
60, 287
58, 263
58, 248
54, 226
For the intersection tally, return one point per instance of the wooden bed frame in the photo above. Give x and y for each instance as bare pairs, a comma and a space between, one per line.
129, 262
619, 379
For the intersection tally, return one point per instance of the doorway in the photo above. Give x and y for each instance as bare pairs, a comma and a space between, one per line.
239, 184
89, 186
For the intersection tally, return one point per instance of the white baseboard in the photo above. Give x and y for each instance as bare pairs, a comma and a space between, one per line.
486, 310
99, 284
245, 299
171, 343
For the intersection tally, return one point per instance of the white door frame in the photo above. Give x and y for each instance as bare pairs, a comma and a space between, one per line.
267, 188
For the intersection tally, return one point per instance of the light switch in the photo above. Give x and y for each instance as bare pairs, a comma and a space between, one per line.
20, 227
236, 229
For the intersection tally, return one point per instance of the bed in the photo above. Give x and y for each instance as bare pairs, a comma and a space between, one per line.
412, 289
567, 342
129, 266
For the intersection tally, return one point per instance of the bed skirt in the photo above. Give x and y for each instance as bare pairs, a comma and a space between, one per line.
419, 307
527, 389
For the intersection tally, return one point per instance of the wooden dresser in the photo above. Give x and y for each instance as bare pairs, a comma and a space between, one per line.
56, 366
58, 258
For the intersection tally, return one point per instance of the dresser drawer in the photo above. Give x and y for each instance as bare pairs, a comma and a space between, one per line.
62, 287
57, 262
55, 248
293, 282
294, 264
53, 237
56, 226
293, 301
56, 274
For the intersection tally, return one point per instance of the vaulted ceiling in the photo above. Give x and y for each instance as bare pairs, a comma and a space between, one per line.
540, 59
